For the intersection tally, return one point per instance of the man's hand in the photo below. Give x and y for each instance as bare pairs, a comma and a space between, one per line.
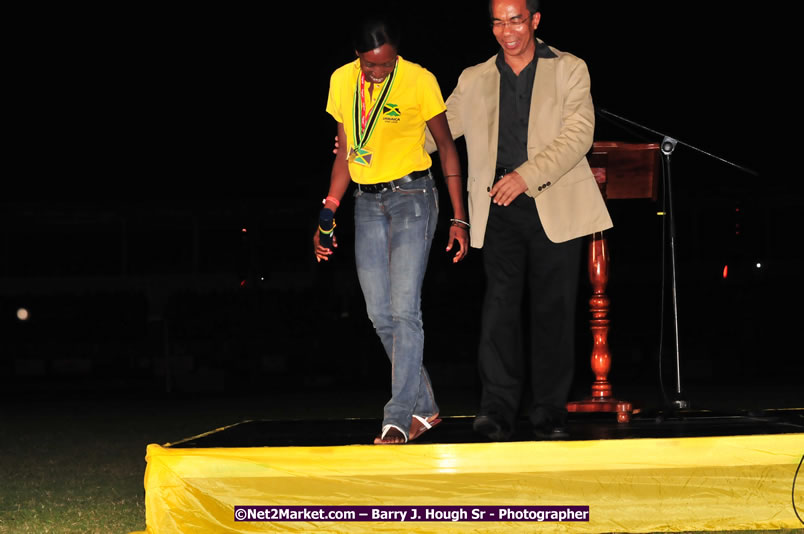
459, 234
508, 188
321, 252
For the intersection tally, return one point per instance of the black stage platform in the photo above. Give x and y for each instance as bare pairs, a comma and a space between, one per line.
580, 427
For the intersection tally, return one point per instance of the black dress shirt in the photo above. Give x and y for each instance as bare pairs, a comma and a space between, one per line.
515, 101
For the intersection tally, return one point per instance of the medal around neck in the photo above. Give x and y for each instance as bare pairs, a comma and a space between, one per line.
365, 120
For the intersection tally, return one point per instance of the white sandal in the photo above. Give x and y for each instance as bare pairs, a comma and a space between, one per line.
426, 424
380, 440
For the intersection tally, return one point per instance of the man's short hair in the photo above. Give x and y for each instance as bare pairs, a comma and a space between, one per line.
532, 5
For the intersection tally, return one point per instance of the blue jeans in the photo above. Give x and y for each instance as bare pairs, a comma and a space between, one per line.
393, 233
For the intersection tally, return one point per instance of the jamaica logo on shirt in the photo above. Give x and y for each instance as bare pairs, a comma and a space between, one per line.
391, 113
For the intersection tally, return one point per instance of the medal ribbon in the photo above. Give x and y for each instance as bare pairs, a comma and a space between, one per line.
364, 122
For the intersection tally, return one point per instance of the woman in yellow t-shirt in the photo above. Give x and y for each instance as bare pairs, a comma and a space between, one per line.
382, 104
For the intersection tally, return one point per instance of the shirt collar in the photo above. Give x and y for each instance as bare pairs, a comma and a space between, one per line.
542, 50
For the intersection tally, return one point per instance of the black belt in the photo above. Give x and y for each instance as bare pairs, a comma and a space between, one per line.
393, 184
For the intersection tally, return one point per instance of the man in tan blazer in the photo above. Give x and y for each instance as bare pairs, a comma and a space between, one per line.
528, 121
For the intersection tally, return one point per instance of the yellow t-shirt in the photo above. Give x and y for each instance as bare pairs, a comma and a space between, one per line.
396, 146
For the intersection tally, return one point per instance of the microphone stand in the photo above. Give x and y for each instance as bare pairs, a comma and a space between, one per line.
673, 142
668, 146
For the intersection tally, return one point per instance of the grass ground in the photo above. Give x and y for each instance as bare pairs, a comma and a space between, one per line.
76, 465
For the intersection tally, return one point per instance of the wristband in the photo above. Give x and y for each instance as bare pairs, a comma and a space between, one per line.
333, 200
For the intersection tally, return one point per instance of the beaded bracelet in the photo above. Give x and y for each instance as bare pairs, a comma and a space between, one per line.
327, 232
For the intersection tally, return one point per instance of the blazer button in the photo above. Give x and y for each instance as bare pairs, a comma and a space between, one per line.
540, 188
488, 189
548, 183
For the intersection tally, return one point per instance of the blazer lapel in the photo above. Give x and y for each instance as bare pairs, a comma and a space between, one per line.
491, 101
543, 98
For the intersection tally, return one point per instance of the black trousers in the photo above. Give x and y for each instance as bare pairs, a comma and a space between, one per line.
518, 256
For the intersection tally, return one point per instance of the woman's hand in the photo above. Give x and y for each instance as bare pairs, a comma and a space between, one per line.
322, 252
458, 233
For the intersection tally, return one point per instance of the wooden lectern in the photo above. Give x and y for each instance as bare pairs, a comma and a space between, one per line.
622, 171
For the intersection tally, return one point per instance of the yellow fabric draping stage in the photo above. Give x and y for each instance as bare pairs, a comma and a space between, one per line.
630, 485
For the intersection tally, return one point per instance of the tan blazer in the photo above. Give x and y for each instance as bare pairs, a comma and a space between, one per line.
560, 133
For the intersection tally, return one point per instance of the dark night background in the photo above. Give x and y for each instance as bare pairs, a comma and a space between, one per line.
143, 141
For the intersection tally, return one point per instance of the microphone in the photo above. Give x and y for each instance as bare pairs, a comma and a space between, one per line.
326, 227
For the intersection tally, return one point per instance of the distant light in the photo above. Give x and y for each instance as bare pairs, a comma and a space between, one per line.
244, 230
737, 210
242, 283
262, 278
660, 213
725, 272
23, 315
759, 265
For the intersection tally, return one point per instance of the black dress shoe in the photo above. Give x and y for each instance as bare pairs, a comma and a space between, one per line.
493, 428
549, 431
